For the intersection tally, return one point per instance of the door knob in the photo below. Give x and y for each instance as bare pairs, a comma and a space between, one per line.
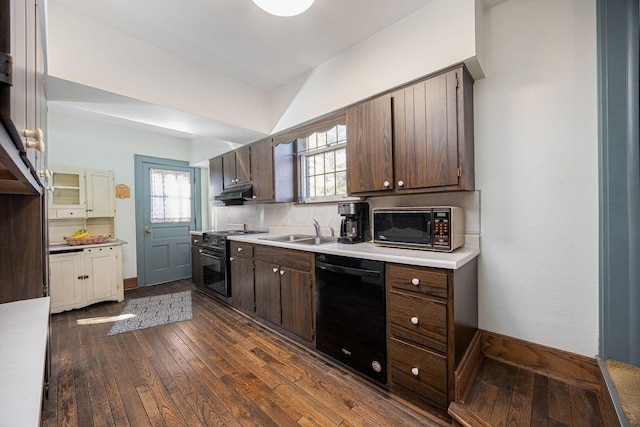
147, 230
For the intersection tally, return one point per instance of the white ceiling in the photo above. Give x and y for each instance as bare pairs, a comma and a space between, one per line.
231, 37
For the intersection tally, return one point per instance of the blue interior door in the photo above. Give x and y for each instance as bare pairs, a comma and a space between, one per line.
168, 205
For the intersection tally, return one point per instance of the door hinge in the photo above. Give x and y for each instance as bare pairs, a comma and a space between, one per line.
6, 69
457, 81
459, 172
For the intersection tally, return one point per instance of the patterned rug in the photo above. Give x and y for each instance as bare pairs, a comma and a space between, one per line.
141, 313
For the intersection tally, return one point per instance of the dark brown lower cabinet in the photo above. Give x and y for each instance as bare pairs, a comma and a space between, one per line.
268, 291
284, 289
242, 276
432, 315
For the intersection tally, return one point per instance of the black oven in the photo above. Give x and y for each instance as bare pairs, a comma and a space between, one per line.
214, 271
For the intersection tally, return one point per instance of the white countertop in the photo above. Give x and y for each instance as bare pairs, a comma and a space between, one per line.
65, 246
368, 250
23, 344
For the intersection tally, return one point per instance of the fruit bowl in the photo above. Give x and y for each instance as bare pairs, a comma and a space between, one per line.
91, 240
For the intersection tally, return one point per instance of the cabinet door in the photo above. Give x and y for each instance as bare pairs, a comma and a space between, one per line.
229, 169
68, 189
100, 194
297, 309
243, 164
262, 171
242, 283
369, 146
101, 268
268, 291
425, 133
216, 180
66, 280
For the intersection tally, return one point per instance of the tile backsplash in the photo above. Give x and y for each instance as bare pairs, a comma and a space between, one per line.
299, 217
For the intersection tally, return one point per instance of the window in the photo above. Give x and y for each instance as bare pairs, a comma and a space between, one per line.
323, 165
170, 196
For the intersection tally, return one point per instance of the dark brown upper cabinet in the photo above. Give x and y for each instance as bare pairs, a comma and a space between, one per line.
236, 166
370, 146
216, 177
417, 139
271, 183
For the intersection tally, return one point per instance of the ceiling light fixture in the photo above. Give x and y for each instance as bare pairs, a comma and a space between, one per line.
284, 7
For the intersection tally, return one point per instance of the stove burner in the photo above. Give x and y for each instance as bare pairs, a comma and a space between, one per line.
218, 238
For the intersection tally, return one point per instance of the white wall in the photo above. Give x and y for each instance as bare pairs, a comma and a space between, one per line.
85, 143
89, 53
536, 165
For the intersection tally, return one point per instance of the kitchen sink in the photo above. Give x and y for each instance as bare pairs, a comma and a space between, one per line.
303, 239
287, 238
316, 240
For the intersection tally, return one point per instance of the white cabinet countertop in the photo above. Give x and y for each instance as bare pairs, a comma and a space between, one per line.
23, 344
368, 250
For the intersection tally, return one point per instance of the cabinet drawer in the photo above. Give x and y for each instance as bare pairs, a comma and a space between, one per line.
417, 374
241, 249
69, 213
419, 320
285, 257
423, 280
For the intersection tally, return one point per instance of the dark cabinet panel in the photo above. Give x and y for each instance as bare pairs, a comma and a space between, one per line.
216, 180
369, 146
268, 291
236, 166
262, 171
297, 296
242, 283
426, 133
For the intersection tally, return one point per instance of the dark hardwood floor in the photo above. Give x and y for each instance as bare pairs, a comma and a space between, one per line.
218, 369
505, 395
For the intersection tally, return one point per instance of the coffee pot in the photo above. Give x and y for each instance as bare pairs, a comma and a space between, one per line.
354, 227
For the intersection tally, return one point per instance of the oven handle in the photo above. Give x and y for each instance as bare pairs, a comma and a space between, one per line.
347, 270
208, 255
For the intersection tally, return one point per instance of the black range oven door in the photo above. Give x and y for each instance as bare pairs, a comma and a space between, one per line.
214, 271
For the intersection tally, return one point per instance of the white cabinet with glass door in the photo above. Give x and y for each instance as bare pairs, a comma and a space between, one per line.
68, 195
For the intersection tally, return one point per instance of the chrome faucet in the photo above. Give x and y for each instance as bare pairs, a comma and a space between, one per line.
317, 227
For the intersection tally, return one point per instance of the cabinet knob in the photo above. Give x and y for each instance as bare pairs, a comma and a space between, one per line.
415, 371
414, 320
386, 184
400, 183
415, 281
254, 196
281, 272
230, 258
239, 249
276, 269
37, 135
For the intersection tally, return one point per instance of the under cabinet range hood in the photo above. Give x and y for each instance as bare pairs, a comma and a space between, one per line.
236, 195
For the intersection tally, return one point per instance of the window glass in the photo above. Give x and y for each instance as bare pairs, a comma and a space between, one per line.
323, 165
170, 196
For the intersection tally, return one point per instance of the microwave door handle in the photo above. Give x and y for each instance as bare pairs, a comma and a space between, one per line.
429, 231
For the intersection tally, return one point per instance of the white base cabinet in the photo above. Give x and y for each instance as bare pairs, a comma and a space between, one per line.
83, 276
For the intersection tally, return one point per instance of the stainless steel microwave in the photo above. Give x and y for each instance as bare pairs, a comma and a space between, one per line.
439, 228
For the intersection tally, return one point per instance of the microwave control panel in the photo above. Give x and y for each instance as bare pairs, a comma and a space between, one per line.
441, 220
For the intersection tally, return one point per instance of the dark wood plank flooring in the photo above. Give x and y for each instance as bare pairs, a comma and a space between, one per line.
505, 395
218, 369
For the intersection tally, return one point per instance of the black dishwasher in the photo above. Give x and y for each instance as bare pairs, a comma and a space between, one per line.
351, 313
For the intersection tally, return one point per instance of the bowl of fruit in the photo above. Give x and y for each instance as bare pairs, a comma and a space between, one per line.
82, 237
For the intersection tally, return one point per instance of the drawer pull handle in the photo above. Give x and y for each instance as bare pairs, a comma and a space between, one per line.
275, 269
414, 320
415, 281
415, 371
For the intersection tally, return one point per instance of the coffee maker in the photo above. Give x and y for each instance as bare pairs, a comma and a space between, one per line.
355, 224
